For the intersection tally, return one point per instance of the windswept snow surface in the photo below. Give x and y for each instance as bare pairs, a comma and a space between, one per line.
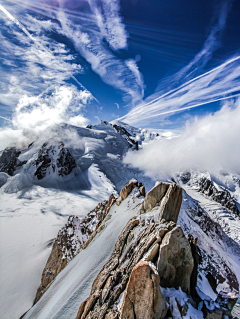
73, 285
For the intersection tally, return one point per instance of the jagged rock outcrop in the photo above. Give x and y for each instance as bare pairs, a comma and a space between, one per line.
154, 196
132, 268
196, 257
76, 234
127, 189
150, 252
9, 160
113, 278
143, 298
54, 157
171, 204
175, 261
168, 197
129, 138
222, 197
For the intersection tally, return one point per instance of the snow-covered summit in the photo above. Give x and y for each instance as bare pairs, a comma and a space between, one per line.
62, 156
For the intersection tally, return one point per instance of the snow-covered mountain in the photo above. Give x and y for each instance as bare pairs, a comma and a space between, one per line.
67, 171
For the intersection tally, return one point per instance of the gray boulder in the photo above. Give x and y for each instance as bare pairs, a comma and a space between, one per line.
175, 261
143, 298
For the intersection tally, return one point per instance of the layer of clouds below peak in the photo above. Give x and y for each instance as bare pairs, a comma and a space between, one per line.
209, 143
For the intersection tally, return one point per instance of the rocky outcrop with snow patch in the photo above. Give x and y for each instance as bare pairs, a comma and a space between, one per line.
9, 160
54, 157
149, 253
76, 234
222, 197
165, 197
133, 270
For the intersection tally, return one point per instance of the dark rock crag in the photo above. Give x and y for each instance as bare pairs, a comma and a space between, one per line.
222, 197
9, 160
54, 158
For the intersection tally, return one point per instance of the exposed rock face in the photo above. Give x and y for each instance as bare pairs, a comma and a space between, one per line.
143, 298
171, 204
175, 262
130, 266
126, 190
65, 162
169, 199
8, 160
154, 196
222, 197
113, 278
194, 275
130, 139
54, 265
76, 234
54, 157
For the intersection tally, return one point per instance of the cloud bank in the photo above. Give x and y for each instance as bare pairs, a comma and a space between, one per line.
209, 143
35, 114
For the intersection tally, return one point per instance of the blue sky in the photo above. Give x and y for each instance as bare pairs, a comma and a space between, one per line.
151, 63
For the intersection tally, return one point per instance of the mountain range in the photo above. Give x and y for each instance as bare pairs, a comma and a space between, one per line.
61, 191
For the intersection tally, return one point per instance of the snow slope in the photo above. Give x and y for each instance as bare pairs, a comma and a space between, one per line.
33, 210
73, 285
30, 220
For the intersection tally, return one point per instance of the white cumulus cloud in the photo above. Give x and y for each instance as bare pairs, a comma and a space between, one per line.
208, 143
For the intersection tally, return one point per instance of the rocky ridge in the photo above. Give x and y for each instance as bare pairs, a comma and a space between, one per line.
206, 186
53, 157
149, 254
223, 197
9, 160
75, 235
152, 272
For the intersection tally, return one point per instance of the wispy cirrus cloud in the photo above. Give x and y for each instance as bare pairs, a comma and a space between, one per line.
220, 83
110, 22
31, 61
88, 38
35, 91
187, 89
